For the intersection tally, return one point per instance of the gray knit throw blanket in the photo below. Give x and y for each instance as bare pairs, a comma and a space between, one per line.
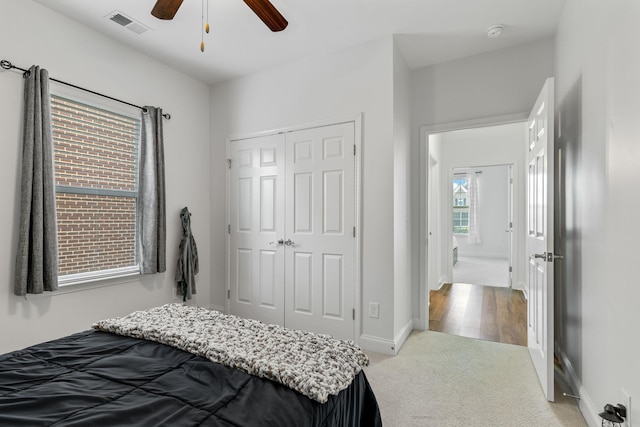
315, 365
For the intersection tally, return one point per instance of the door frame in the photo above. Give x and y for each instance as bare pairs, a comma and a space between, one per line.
357, 121
422, 322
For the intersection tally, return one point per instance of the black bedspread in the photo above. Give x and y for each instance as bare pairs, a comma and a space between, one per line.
99, 379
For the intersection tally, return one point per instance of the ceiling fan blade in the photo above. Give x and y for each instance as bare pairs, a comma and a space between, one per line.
268, 13
166, 9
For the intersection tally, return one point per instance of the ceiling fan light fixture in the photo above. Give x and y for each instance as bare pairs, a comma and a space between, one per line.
166, 9
272, 18
495, 31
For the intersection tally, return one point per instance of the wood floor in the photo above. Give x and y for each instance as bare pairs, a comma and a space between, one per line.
475, 311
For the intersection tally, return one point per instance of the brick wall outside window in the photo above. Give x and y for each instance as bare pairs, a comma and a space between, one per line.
96, 187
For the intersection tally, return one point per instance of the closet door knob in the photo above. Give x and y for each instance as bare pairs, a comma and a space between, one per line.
289, 243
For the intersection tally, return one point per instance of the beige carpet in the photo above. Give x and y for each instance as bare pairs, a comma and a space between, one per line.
444, 380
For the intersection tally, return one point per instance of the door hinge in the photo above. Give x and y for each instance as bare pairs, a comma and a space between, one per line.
229, 229
228, 293
353, 314
229, 163
354, 149
354, 232
511, 225
510, 269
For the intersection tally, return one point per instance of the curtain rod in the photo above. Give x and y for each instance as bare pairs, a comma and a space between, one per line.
7, 65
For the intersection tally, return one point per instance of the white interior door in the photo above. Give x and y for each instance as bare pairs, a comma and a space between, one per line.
539, 240
433, 240
256, 212
320, 230
509, 229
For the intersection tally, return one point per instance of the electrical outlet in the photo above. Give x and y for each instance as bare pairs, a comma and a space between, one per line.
374, 310
626, 401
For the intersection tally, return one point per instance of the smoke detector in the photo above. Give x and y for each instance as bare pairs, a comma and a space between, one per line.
495, 31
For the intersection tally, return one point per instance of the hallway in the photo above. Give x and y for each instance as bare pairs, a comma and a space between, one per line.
486, 271
490, 313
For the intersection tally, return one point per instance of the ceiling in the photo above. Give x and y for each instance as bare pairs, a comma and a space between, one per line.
426, 31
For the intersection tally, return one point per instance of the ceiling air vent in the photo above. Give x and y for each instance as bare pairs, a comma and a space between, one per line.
123, 20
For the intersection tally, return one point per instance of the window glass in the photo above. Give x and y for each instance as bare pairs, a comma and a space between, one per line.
460, 218
96, 167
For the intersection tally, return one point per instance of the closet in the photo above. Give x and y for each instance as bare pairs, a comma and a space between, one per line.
292, 237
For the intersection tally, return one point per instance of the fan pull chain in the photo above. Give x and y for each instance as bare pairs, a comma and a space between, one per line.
206, 28
202, 28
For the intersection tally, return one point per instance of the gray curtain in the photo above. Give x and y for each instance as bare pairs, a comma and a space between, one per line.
152, 223
37, 256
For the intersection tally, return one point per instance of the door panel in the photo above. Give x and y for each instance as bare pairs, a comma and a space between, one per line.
292, 217
320, 216
509, 230
256, 225
539, 240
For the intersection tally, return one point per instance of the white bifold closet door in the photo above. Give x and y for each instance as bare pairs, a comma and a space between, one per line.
292, 244
256, 206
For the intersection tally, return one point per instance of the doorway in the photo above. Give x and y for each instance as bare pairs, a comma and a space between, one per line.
492, 146
481, 215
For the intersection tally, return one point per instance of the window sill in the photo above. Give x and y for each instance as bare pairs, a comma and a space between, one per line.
97, 276
86, 281
66, 286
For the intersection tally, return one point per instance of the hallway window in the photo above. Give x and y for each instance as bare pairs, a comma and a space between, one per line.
460, 218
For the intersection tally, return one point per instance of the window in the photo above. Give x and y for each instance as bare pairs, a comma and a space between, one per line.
96, 169
460, 218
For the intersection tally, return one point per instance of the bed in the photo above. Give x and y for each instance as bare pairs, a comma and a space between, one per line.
98, 377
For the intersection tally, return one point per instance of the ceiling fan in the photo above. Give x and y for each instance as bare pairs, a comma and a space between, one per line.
166, 9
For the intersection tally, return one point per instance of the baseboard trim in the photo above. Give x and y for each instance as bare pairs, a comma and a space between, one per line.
443, 280
418, 324
377, 345
585, 403
402, 335
482, 255
218, 308
521, 286
588, 410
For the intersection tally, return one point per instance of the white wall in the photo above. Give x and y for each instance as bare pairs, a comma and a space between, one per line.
402, 206
597, 69
497, 83
352, 81
487, 85
493, 214
32, 34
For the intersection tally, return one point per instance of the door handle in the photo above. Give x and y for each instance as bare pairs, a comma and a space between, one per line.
279, 242
289, 243
548, 256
